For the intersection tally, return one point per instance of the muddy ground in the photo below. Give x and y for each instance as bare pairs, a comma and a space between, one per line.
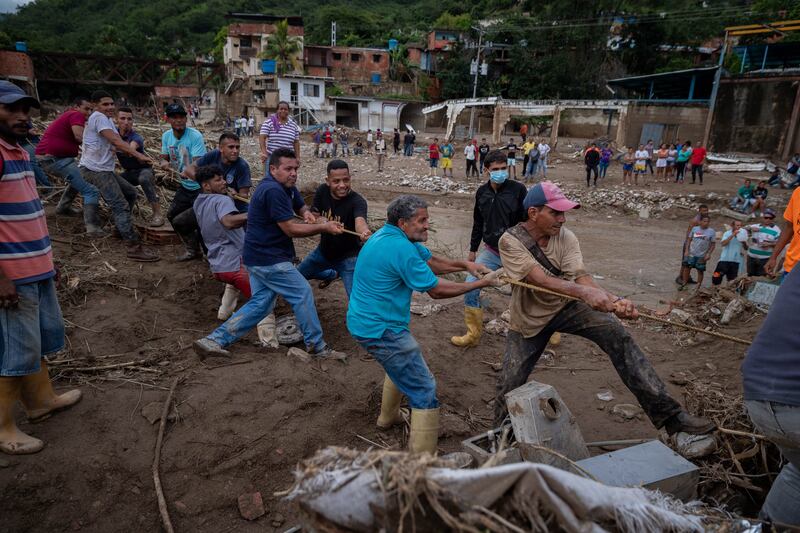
242, 425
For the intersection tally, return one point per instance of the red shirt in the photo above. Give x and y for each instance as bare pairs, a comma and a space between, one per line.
698, 154
58, 139
328, 138
433, 150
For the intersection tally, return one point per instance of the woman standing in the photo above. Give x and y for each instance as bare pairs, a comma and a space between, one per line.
661, 162
279, 131
605, 159
672, 155
627, 167
380, 149
680, 162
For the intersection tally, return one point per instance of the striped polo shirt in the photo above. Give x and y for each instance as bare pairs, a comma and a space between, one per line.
285, 137
762, 237
25, 252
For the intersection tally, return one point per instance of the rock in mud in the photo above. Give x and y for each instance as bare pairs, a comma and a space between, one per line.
251, 506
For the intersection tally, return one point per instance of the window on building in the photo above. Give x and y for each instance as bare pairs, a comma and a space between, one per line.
310, 89
337, 56
245, 42
355, 58
376, 58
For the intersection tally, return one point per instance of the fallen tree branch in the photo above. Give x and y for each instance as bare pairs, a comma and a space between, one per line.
162, 501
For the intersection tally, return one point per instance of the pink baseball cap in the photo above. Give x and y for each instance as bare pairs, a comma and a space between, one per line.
547, 193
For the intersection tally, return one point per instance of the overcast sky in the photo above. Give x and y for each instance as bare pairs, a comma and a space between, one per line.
11, 5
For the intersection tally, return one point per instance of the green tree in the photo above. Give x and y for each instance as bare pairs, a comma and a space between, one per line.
448, 21
283, 48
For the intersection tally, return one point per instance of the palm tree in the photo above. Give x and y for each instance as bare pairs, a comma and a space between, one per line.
283, 48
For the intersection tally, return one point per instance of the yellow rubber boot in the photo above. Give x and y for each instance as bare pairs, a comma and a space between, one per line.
424, 431
12, 440
40, 399
473, 317
555, 339
390, 405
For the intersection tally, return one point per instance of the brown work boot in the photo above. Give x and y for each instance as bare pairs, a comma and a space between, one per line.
683, 421
40, 399
137, 252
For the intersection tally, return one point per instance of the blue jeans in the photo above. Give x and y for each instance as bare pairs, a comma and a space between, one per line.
41, 177
532, 166
400, 356
490, 260
541, 166
408, 150
266, 283
67, 169
120, 197
603, 168
315, 266
780, 423
345, 148
32, 329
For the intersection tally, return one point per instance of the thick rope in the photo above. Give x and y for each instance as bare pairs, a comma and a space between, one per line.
642, 315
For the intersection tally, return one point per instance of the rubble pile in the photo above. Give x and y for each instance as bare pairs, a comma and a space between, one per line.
645, 202
426, 183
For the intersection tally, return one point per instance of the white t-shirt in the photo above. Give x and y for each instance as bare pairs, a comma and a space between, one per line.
641, 156
544, 149
369, 137
251, 122
469, 152
98, 153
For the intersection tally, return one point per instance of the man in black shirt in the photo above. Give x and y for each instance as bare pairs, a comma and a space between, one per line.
512, 157
483, 151
592, 159
336, 254
498, 206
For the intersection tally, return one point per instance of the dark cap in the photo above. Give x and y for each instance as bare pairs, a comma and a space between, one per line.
175, 109
11, 94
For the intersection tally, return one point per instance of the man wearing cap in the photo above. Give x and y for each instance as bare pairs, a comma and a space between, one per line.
101, 141
31, 325
498, 206
181, 147
542, 252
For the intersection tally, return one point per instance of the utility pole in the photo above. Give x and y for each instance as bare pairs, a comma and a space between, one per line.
333, 33
475, 81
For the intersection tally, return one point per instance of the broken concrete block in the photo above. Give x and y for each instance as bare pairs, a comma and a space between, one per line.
694, 446
763, 293
732, 310
541, 419
605, 396
251, 506
651, 465
679, 315
482, 447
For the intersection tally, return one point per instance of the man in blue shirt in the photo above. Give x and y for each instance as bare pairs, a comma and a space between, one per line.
268, 255
182, 146
235, 170
135, 172
393, 264
771, 382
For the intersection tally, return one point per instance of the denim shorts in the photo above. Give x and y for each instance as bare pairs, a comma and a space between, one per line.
695, 262
434, 162
31, 330
401, 357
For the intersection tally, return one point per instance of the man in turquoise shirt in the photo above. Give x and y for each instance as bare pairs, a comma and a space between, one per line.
392, 265
182, 146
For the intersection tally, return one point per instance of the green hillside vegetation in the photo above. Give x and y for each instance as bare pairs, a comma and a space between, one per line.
558, 48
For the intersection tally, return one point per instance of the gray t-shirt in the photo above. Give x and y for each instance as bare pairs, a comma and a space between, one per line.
224, 245
701, 241
98, 153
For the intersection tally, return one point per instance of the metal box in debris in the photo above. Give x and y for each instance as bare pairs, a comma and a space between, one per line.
482, 447
542, 420
763, 293
651, 465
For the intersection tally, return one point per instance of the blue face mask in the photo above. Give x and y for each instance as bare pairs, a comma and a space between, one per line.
498, 176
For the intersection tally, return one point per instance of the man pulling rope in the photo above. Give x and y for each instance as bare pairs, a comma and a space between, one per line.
542, 252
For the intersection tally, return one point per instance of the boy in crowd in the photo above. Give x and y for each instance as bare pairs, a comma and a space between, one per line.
697, 250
